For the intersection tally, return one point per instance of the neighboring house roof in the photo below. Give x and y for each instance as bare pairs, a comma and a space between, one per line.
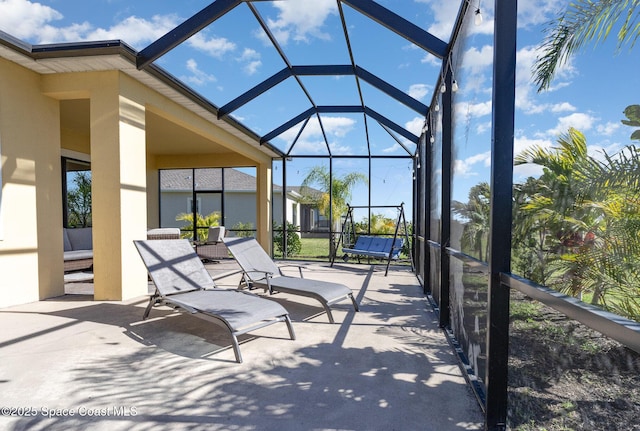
207, 179
307, 194
234, 180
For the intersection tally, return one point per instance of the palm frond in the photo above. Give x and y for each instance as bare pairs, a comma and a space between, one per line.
583, 22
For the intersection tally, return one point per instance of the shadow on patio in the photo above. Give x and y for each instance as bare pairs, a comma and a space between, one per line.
388, 367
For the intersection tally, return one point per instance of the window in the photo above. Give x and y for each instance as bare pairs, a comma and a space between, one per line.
76, 193
189, 208
295, 214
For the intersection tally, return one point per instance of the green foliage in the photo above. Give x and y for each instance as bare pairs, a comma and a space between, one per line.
79, 201
632, 112
380, 224
341, 188
476, 214
577, 227
525, 310
582, 22
294, 245
243, 230
202, 223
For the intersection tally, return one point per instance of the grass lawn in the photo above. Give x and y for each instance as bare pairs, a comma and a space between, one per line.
312, 249
318, 249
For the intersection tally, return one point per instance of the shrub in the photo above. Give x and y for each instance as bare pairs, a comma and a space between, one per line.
294, 245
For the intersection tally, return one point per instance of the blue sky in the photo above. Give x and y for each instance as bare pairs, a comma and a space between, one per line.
233, 54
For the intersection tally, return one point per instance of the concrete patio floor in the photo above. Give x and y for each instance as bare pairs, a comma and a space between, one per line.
74, 363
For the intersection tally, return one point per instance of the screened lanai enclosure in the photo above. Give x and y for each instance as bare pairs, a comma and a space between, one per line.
369, 106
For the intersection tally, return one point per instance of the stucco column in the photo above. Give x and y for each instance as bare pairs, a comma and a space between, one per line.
118, 165
264, 205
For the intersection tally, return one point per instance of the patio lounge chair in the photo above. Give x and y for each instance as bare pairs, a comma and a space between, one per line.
259, 270
183, 283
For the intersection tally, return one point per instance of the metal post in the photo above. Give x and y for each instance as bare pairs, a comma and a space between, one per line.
504, 74
447, 173
427, 162
284, 208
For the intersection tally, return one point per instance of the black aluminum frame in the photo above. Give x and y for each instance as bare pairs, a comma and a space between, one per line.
503, 99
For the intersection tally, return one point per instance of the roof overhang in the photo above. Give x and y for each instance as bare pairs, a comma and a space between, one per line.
117, 55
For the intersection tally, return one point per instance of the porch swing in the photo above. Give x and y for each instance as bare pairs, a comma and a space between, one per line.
373, 246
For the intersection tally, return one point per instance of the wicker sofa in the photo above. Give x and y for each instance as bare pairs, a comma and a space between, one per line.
164, 233
78, 248
78, 245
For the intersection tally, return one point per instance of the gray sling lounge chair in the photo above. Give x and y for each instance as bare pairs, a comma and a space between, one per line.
259, 270
183, 283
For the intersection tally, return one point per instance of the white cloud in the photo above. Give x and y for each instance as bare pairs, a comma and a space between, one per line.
305, 146
477, 60
311, 139
198, 77
536, 12
613, 149
524, 143
32, 22
337, 148
299, 20
252, 67
562, 107
249, 54
483, 127
470, 110
392, 149
530, 12
525, 89
415, 125
252, 60
216, 47
418, 91
578, 120
522, 172
444, 17
430, 59
26, 20
463, 168
135, 31
337, 126
608, 128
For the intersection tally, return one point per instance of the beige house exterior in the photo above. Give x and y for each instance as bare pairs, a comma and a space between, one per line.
89, 101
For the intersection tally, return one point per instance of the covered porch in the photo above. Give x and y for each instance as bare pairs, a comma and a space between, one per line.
388, 366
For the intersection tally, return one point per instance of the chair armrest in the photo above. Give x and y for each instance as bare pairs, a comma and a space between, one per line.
295, 266
267, 274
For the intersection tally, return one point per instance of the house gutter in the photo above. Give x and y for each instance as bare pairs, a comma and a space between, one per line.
120, 48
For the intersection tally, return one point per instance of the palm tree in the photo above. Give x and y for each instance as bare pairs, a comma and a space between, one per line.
563, 171
333, 207
582, 22
588, 213
532, 242
632, 112
551, 218
477, 213
609, 259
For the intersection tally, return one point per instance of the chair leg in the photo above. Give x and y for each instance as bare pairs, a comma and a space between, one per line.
290, 327
355, 304
236, 348
152, 300
328, 310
